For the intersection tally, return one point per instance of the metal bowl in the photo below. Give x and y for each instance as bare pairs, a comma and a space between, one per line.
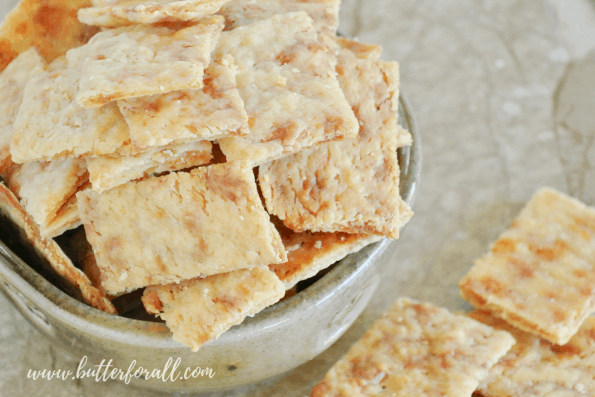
276, 340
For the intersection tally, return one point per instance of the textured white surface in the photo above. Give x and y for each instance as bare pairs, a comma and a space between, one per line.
503, 92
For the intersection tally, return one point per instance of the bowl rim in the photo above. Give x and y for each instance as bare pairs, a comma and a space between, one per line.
26, 281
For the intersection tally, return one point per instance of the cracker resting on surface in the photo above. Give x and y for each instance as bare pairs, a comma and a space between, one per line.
179, 226
51, 125
417, 349
51, 26
212, 112
114, 13
12, 84
287, 80
144, 60
48, 248
540, 274
350, 185
537, 368
107, 172
200, 310
47, 192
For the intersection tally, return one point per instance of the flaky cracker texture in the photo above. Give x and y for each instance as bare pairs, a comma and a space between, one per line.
200, 310
325, 14
213, 112
51, 26
107, 172
286, 78
114, 13
537, 368
539, 275
144, 60
50, 125
13, 80
48, 249
350, 185
417, 349
179, 226
47, 191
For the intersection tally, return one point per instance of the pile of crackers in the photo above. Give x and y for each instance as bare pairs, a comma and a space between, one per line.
532, 333
216, 152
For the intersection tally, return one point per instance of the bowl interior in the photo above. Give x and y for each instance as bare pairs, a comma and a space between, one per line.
51, 298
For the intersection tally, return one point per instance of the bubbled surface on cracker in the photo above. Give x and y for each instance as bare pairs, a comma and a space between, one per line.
540, 274
51, 125
199, 310
417, 349
144, 60
287, 80
350, 185
179, 226
537, 368
212, 112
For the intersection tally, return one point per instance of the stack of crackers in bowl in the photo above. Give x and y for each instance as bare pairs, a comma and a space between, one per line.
532, 333
216, 152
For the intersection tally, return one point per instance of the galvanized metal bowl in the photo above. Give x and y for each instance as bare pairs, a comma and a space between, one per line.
276, 340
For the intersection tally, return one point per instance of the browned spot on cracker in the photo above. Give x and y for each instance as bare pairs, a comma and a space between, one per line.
504, 245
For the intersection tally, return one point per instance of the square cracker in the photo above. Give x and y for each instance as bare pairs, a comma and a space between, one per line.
12, 85
47, 192
51, 125
417, 349
107, 172
48, 249
214, 214
51, 26
114, 13
540, 274
287, 80
145, 60
215, 111
309, 253
351, 185
200, 310
537, 368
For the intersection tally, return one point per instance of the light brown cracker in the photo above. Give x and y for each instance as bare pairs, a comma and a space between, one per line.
361, 50
537, 368
114, 13
325, 14
210, 113
287, 81
350, 185
200, 310
179, 226
12, 84
417, 349
540, 274
309, 253
47, 192
51, 26
48, 249
145, 60
107, 172
51, 125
